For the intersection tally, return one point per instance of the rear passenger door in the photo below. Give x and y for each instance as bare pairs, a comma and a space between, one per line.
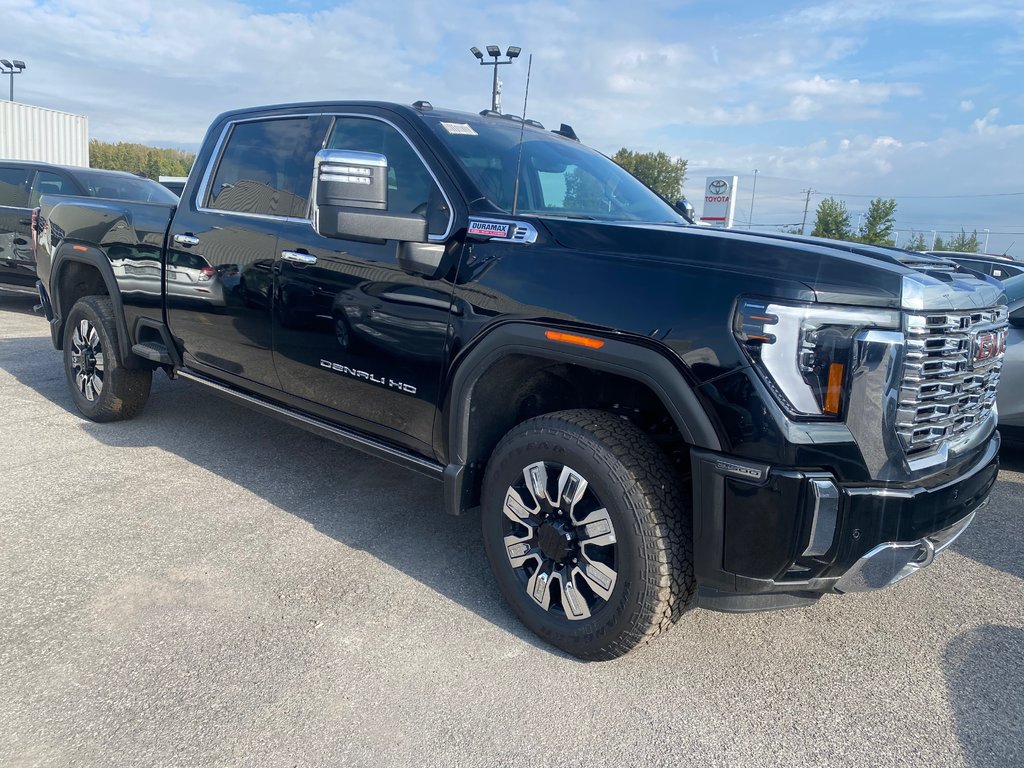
17, 266
219, 281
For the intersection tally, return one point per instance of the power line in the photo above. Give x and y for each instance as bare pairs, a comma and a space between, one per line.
923, 197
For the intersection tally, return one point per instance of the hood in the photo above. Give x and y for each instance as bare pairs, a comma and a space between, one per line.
837, 272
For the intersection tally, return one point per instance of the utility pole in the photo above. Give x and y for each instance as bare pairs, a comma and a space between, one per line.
807, 204
753, 191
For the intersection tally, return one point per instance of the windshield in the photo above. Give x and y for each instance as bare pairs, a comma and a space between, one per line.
114, 186
557, 177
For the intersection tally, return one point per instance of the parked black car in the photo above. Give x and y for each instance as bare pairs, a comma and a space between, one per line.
22, 183
645, 415
999, 267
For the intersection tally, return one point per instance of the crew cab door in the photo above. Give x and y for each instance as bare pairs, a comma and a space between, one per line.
354, 335
222, 245
17, 266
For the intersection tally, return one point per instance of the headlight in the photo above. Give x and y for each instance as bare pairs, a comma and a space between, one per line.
804, 351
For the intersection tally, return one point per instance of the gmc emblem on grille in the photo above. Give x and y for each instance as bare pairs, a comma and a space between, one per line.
987, 346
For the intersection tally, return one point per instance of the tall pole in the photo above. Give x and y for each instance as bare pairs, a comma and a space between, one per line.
495, 90
986, 241
933, 241
807, 204
495, 53
753, 191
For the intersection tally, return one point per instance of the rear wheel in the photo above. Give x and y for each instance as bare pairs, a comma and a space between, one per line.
588, 532
102, 388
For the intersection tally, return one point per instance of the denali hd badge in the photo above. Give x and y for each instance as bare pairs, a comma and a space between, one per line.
489, 229
355, 373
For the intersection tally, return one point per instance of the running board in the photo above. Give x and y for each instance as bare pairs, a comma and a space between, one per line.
346, 437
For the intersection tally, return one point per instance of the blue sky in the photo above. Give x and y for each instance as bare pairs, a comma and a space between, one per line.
917, 99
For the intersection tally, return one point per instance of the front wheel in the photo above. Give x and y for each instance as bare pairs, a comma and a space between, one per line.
588, 532
102, 388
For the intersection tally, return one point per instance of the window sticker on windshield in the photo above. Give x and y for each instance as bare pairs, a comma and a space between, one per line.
489, 228
459, 129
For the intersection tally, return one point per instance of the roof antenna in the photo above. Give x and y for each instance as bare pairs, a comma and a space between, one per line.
522, 130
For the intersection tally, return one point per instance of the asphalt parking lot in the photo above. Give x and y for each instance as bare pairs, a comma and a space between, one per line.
203, 586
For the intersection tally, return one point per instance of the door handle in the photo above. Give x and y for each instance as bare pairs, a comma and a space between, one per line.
298, 258
186, 240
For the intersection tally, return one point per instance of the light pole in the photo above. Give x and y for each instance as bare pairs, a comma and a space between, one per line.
986, 240
11, 68
495, 52
753, 192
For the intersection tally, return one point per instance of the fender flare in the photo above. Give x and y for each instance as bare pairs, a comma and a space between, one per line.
94, 257
641, 362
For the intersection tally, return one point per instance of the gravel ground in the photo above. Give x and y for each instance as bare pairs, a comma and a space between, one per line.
204, 586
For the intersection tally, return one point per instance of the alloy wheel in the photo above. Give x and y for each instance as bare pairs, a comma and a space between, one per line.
87, 360
560, 540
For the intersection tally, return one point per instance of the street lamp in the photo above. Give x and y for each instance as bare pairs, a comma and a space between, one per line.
494, 52
11, 68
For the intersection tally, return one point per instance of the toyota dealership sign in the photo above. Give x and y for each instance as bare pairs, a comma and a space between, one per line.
719, 201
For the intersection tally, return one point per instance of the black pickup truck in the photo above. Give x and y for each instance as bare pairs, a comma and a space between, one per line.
649, 416
23, 183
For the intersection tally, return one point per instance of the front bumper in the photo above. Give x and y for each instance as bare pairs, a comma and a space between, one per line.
770, 537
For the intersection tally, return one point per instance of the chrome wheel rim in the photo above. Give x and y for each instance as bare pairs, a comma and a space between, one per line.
560, 540
87, 365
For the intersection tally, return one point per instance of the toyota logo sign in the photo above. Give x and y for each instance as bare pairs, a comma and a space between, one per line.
718, 187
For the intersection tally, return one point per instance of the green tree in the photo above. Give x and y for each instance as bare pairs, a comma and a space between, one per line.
938, 244
964, 242
878, 222
832, 220
655, 169
140, 159
917, 242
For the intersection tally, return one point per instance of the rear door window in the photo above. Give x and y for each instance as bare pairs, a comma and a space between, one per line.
46, 183
267, 167
14, 186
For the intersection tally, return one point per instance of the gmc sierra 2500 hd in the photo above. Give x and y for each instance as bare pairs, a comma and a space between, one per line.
649, 415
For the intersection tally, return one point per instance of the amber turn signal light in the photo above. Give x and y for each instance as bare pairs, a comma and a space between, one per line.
834, 392
572, 338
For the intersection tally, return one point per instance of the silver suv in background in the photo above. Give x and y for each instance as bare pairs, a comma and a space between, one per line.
1011, 388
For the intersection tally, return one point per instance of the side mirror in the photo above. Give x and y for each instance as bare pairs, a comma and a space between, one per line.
686, 210
350, 200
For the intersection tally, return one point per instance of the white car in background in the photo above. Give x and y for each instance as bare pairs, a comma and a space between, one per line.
1011, 380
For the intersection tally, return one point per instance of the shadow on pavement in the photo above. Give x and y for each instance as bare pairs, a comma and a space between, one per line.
387, 511
994, 538
21, 303
1011, 455
984, 670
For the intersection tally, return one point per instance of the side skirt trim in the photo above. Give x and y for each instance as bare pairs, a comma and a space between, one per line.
346, 437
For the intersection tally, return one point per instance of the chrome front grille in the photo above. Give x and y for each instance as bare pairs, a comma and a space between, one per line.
945, 392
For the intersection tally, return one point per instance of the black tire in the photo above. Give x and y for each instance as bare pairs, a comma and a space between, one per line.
650, 557
113, 392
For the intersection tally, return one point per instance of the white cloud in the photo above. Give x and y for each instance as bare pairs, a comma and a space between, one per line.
966, 105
